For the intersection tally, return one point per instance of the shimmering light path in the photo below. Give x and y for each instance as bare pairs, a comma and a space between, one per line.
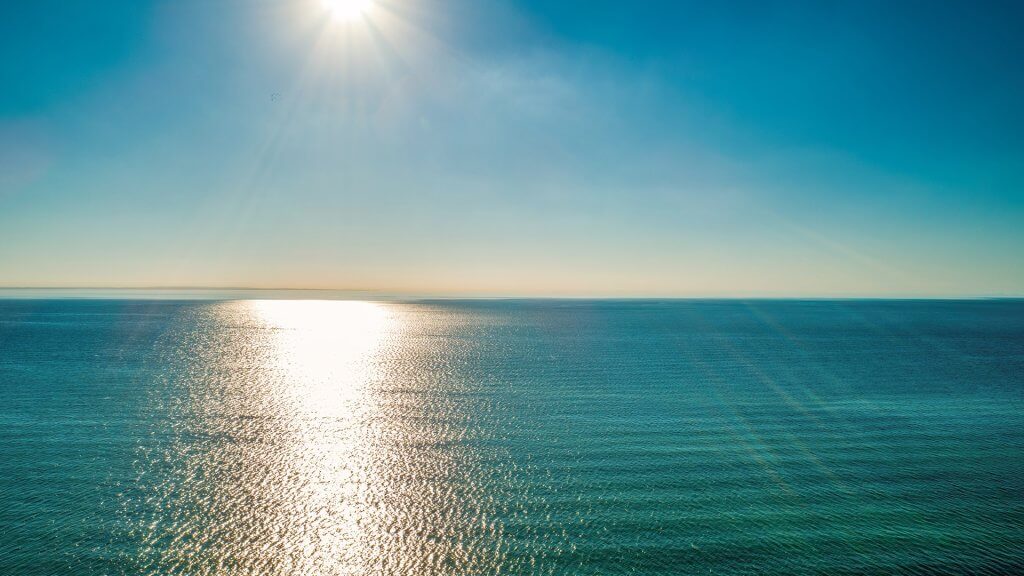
306, 437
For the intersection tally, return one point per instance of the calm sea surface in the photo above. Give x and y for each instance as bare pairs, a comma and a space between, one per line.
511, 437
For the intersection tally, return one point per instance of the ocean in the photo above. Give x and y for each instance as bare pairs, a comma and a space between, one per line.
511, 437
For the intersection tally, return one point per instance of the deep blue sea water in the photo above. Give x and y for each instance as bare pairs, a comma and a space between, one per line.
511, 437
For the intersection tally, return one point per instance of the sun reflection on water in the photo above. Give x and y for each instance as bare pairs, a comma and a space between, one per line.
323, 358
279, 435
325, 351
314, 437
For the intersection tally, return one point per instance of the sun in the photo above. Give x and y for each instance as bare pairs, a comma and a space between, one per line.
347, 10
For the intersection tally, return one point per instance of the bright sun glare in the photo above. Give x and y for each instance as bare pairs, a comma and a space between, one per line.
347, 10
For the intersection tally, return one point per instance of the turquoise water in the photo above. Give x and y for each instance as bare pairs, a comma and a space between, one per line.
512, 437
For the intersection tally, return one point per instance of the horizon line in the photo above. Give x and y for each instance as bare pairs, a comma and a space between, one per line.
100, 292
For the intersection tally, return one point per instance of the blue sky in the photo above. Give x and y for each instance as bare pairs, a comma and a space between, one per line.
521, 148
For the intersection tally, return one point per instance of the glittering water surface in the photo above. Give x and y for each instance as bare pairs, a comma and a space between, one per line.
304, 437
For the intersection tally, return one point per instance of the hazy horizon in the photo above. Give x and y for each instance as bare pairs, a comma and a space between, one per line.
224, 292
